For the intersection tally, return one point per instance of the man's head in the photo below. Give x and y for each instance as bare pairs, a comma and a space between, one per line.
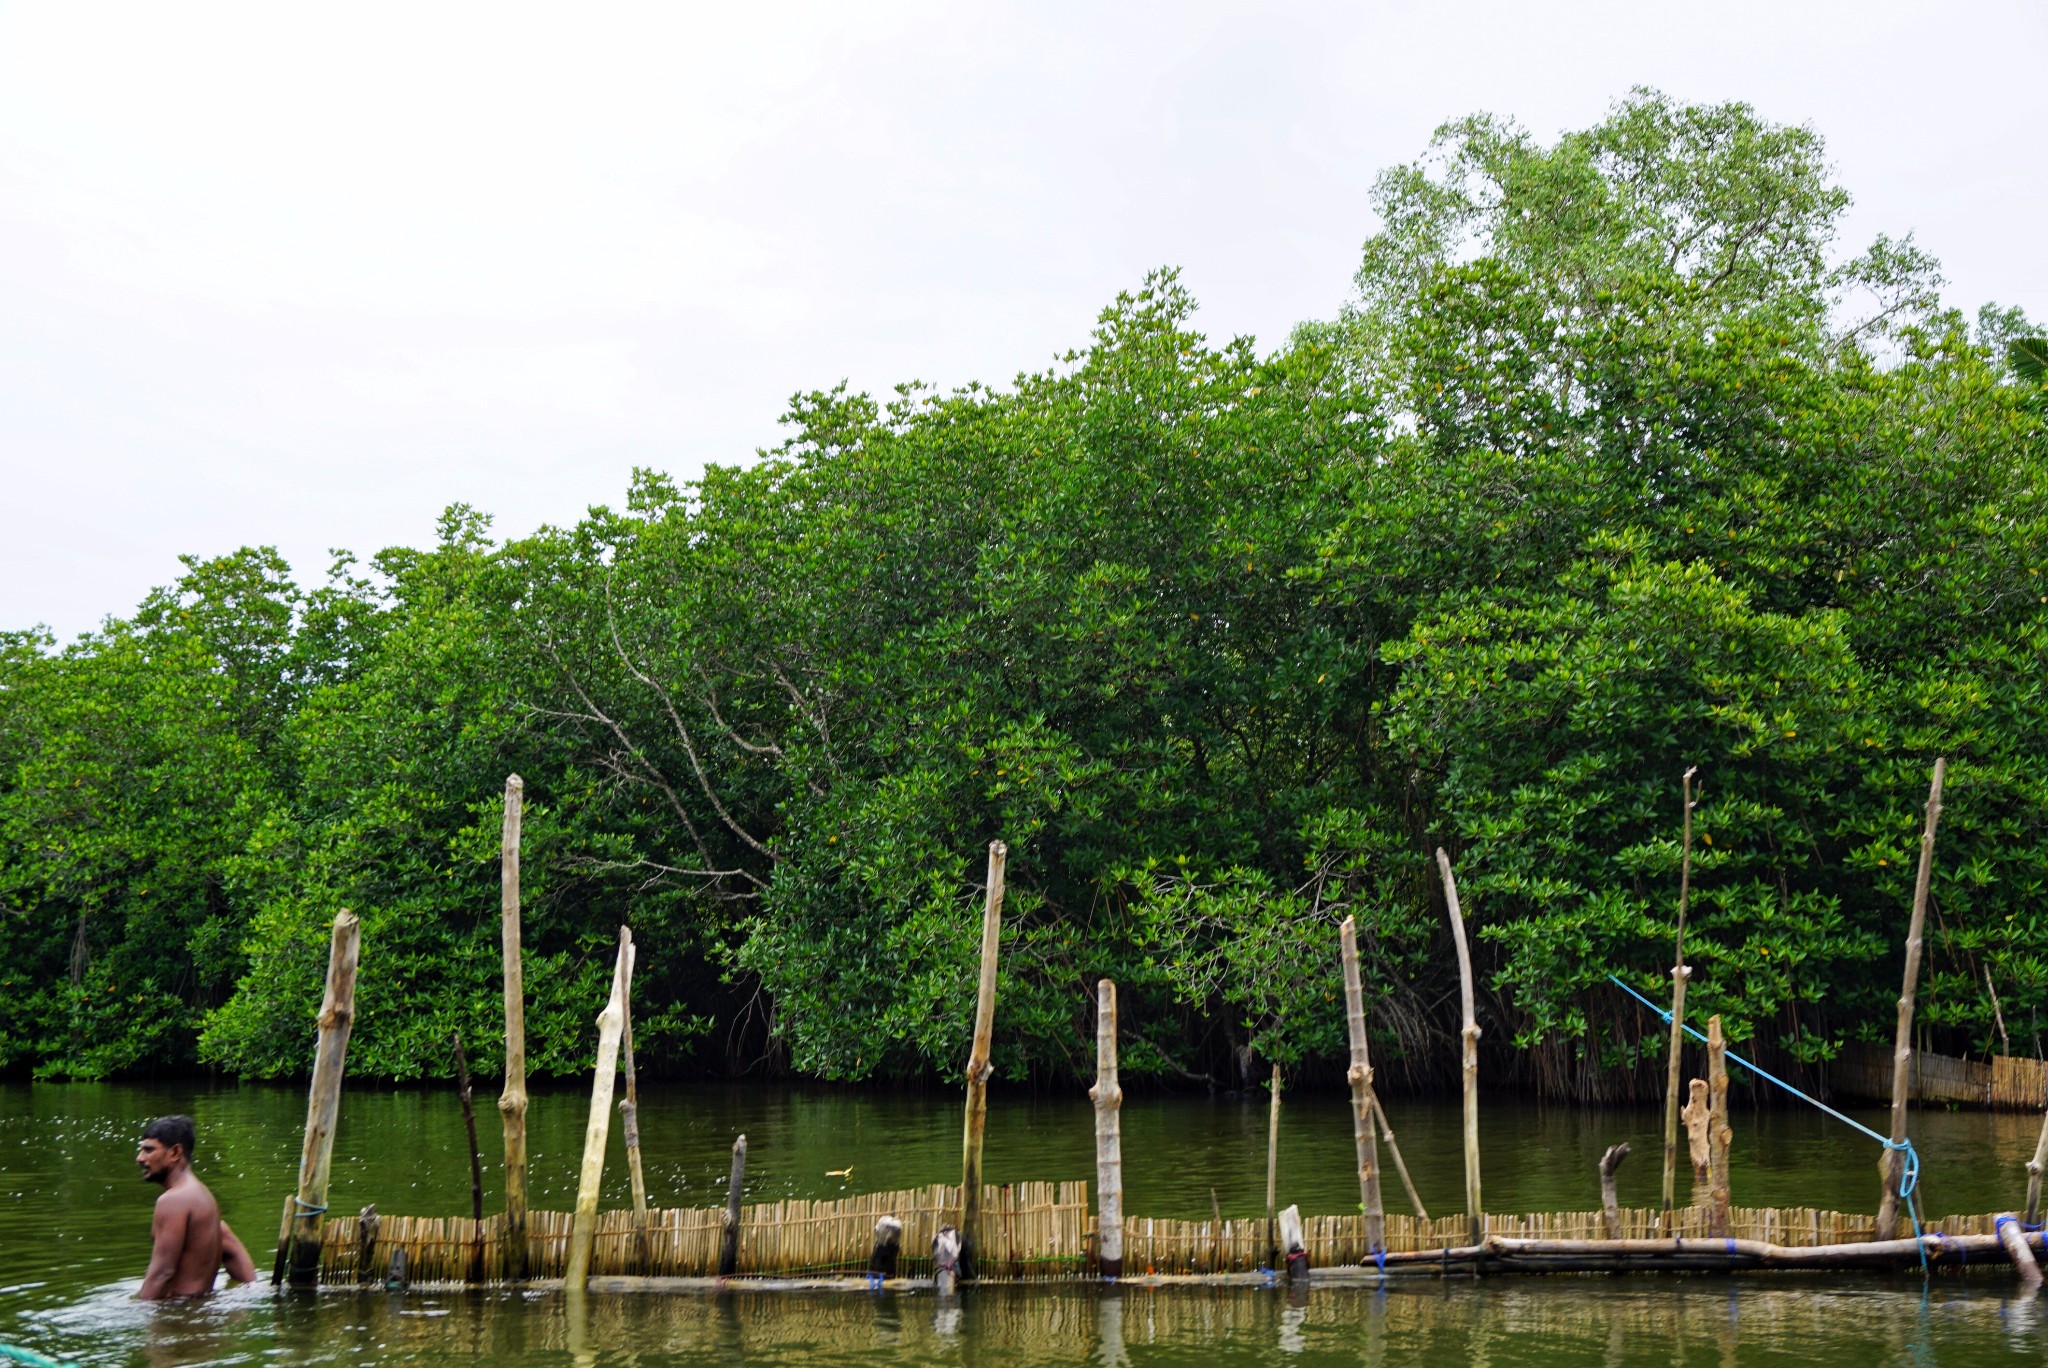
166, 1147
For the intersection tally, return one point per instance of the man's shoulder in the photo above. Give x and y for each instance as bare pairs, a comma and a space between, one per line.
190, 1195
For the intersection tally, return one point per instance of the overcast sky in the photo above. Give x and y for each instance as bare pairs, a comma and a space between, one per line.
303, 275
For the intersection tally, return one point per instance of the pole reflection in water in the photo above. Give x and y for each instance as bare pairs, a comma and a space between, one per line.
1109, 1323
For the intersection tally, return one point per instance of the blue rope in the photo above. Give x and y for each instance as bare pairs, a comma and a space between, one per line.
1909, 1179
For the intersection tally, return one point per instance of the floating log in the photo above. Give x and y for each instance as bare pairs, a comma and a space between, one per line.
301, 1263
1362, 1099
512, 1102
597, 1131
1679, 975
629, 1115
888, 1244
1475, 1210
1721, 1135
1108, 1096
1610, 1208
1273, 1172
2014, 1239
978, 1066
729, 1246
1902, 1046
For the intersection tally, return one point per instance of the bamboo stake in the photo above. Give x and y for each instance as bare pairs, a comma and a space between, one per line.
1679, 974
1610, 1208
729, 1244
1998, 1016
1108, 1096
978, 1066
629, 1116
1902, 1050
1719, 1133
1362, 1099
512, 1102
1394, 1153
610, 1023
1474, 1210
476, 1163
1273, 1172
2034, 1169
337, 1015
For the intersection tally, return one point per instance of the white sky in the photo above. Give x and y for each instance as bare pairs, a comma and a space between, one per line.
304, 275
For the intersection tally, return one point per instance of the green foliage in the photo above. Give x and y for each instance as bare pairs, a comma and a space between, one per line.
1613, 466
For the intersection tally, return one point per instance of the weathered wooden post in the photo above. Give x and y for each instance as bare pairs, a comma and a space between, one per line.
337, 1014
597, 1131
1720, 1135
1610, 1207
888, 1243
1474, 1210
512, 1102
1902, 1045
1273, 1173
978, 1067
1360, 1078
1679, 974
629, 1117
1108, 1097
1697, 1116
2014, 1238
1394, 1153
1293, 1243
729, 1247
366, 1242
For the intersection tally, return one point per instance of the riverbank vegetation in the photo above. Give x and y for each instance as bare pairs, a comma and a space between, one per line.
1616, 462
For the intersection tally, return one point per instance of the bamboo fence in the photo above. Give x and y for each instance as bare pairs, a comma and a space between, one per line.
2006, 1083
1031, 1232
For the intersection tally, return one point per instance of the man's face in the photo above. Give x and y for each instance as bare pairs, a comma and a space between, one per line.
157, 1160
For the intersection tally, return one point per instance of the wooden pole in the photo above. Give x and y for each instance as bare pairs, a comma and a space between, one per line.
1394, 1153
2034, 1169
2015, 1241
1679, 974
1362, 1099
1902, 1045
323, 1102
1997, 1014
597, 1131
1720, 1135
1108, 1096
978, 1066
1698, 1119
1610, 1207
629, 1118
729, 1247
1273, 1172
888, 1243
476, 1162
512, 1102
1294, 1243
1474, 1210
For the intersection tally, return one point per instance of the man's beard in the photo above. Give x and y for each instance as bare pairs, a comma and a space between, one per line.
160, 1177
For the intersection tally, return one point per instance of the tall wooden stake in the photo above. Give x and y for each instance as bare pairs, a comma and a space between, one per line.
1360, 1077
1720, 1135
629, 1117
1679, 974
736, 1185
1108, 1097
476, 1162
1475, 1210
2034, 1169
323, 1101
1902, 1048
1394, 1153
610, 1025
512, 1102
1273, 1173
978, 1067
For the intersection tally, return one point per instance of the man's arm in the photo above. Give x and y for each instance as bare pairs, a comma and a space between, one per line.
234, 1258
167, 1236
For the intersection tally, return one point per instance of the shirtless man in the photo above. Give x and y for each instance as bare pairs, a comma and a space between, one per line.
191, 1240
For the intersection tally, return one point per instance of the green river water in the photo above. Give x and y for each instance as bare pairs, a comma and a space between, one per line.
74, 1235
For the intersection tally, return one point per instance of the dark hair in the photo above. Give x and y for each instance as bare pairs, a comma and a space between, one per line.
173, 1130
